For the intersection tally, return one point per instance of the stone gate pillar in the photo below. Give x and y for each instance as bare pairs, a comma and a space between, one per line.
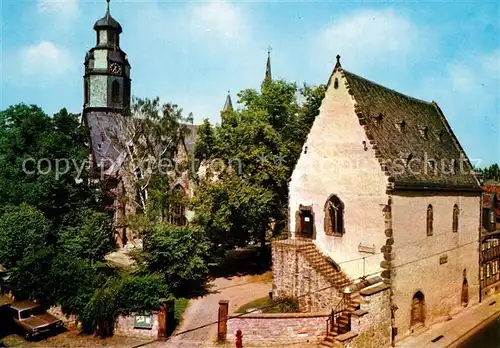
222, 322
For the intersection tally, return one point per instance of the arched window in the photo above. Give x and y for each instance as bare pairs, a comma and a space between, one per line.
177, 215
334, 216
430, 220
336, 83
115, 92
455, 218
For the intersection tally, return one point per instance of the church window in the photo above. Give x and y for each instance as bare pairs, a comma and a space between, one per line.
177, 214
115, 92
430, 220
456, 212
334, 216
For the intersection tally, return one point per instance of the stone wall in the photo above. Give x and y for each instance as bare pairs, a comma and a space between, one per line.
434, 265
283, 328
294, 276
372, 322
125, 327
337, 159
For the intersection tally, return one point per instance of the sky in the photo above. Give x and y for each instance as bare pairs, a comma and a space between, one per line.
193, 52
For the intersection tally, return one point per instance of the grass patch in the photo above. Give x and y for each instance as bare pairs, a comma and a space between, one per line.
261, 278
179, 308
275, 305
258, 303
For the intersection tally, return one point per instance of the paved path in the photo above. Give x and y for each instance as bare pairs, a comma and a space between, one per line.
204, 310
456, 330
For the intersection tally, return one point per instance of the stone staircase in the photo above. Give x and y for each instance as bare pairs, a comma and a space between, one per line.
324, 265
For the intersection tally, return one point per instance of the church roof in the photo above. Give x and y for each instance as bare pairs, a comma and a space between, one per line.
408, 135
107, 22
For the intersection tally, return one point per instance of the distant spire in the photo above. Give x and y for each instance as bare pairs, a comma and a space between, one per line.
107, 10
228, 105
268, 65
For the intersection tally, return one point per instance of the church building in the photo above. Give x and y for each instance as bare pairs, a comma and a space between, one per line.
382, 193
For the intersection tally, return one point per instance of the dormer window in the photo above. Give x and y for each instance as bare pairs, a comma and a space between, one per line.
424, 131
401, 126
440, 135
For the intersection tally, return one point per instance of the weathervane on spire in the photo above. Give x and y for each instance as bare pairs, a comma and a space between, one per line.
269, 49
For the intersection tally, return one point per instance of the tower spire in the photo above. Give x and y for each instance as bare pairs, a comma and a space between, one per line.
228, 105
268, 76
107, 6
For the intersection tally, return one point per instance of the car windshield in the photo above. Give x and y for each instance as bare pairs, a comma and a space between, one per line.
29, 312
25, 314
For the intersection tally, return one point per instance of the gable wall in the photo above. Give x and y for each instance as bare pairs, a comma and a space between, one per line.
336, 163
420, 254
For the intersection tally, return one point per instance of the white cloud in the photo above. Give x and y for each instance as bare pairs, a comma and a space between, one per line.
367, 37
62, 8
218, 18
45, 58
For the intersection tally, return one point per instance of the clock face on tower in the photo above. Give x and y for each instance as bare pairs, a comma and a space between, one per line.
115, 68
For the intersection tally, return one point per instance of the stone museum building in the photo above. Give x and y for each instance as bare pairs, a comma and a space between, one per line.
382, 193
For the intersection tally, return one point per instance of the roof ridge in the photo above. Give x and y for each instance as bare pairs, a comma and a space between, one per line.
455, 139
387, 88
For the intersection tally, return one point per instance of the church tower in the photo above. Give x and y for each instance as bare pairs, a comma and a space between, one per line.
107, 70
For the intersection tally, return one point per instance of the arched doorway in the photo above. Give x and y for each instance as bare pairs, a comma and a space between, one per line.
465, 293
417, 310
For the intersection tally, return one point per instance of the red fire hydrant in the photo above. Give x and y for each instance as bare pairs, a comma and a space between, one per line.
239, 339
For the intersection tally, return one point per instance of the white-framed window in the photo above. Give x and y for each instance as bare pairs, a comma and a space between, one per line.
481, 273
488, 270
492, 217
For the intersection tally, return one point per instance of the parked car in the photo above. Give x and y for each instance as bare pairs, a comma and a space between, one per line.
32, 320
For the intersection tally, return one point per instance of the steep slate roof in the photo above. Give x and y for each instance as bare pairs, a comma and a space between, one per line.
425, 135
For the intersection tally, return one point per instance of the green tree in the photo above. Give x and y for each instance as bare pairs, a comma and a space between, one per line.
91, 239
233, 212
44, 162
262, 143
23, 231
179, 253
